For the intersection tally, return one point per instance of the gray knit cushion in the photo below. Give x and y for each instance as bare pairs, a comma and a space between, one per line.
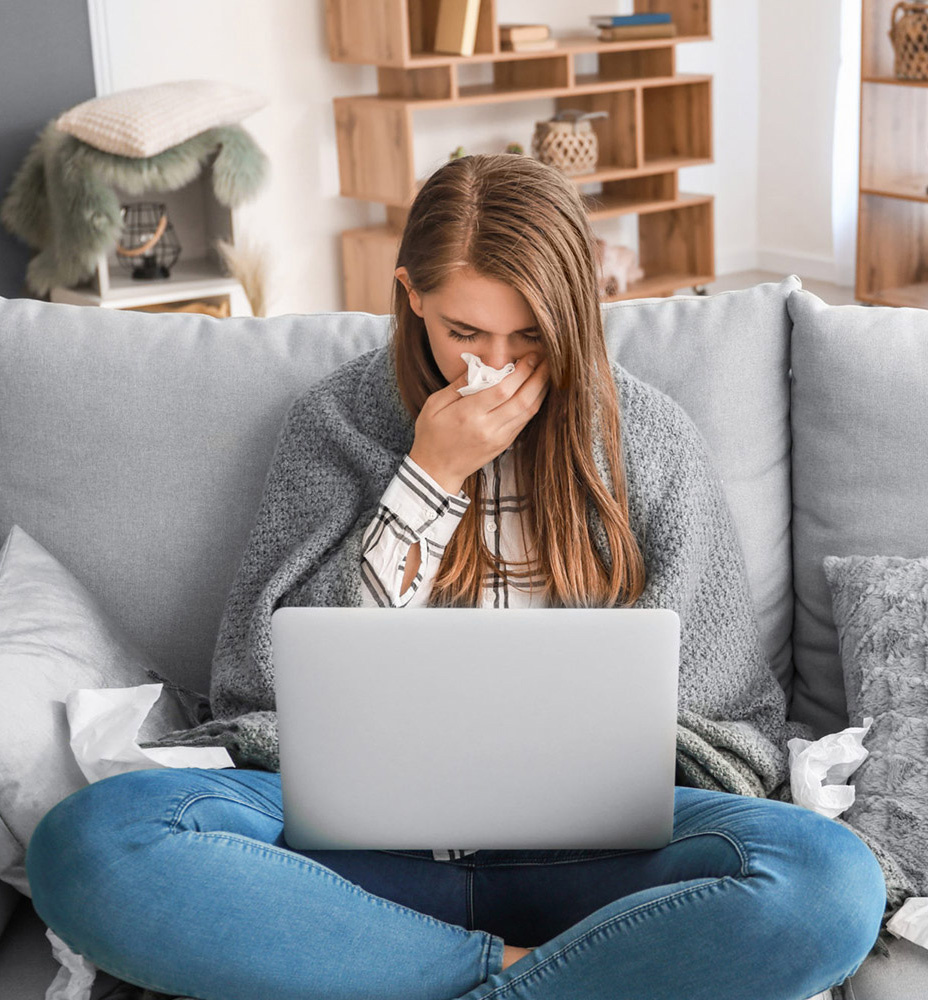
859, 468
881, 613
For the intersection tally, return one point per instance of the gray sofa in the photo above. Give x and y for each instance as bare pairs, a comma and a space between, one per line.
133, 447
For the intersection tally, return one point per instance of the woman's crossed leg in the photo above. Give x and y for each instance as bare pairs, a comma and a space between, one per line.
180, 880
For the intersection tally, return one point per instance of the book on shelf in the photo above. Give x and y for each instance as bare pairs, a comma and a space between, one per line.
637, 31
539, 45
523, 32
627, 20
456, 30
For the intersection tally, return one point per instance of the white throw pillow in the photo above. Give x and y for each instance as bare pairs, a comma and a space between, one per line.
145, 121
54, 638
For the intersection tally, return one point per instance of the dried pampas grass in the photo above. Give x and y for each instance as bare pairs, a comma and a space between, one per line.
248, 264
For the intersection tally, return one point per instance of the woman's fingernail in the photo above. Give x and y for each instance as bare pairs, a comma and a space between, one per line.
533, 360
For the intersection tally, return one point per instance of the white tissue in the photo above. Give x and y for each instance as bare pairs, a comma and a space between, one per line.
76, 975
818, 771
105, 723
910, 921
481, 376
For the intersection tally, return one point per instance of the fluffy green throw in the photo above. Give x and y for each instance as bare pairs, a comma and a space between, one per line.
63, 199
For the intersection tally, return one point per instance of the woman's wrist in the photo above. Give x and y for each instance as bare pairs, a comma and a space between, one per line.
446, 480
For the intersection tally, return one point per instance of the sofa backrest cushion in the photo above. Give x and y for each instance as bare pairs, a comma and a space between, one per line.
725, 359
859, 418
134, 447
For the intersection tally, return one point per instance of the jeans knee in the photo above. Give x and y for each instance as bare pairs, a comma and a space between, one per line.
838, 891
76, 845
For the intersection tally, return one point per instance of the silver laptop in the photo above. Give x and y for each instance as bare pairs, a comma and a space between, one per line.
526, 728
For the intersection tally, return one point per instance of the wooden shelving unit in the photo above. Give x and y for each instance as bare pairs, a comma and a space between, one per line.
892, 256
659, 121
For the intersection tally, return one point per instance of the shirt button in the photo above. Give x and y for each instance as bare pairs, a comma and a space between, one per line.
491, 526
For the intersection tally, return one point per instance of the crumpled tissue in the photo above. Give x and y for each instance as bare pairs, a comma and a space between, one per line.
76, 975
910, 921
818, 771
481, 376
105, 724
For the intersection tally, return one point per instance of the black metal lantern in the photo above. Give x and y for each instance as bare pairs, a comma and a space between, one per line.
148, 245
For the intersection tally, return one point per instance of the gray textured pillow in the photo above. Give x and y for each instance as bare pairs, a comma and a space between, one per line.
880, 608
54, 638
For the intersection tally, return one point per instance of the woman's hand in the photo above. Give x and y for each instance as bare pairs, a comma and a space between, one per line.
457, 435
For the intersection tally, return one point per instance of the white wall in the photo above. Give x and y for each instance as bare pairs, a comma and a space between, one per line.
799, 59
773, 102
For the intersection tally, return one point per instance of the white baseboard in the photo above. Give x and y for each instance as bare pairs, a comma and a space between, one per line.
818, 268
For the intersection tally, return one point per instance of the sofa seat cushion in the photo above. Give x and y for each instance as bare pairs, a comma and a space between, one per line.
901, 975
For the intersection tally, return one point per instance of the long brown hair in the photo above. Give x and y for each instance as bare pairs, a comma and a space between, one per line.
510, 217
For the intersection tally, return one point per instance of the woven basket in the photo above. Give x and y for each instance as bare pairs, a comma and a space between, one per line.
572, 147
909, 36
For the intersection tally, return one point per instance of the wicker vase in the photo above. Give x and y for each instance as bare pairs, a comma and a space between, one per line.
571, 146
909, 36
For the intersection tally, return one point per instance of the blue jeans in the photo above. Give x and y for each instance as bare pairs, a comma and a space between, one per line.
180, 880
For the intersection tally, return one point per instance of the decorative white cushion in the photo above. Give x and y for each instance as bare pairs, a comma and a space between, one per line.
54, 637
147, 120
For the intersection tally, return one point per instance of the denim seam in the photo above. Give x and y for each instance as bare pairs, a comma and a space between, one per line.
485, 957
197, 796
736, 844
469, 883
618, 918
292, 857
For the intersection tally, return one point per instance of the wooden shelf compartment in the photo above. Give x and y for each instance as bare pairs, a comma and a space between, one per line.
691, 18
678, 242
630, 64
423, 20
877, 55
396, 32
894, 140
639, 195
677, 121
899, 229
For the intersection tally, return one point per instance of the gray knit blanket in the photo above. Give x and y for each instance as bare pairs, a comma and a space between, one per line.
338, 449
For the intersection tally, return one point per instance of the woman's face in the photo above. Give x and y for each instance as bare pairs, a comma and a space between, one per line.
473, 313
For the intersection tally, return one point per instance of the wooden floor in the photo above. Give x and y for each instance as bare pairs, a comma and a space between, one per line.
834, 295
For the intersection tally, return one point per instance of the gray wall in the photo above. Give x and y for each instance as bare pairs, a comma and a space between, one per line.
46, 67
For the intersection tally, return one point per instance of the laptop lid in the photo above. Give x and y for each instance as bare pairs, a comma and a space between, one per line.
529, 728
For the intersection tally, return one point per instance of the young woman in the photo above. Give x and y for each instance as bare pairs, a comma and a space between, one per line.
568, 483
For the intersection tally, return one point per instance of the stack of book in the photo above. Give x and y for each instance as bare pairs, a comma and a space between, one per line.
526, 38
623, 27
